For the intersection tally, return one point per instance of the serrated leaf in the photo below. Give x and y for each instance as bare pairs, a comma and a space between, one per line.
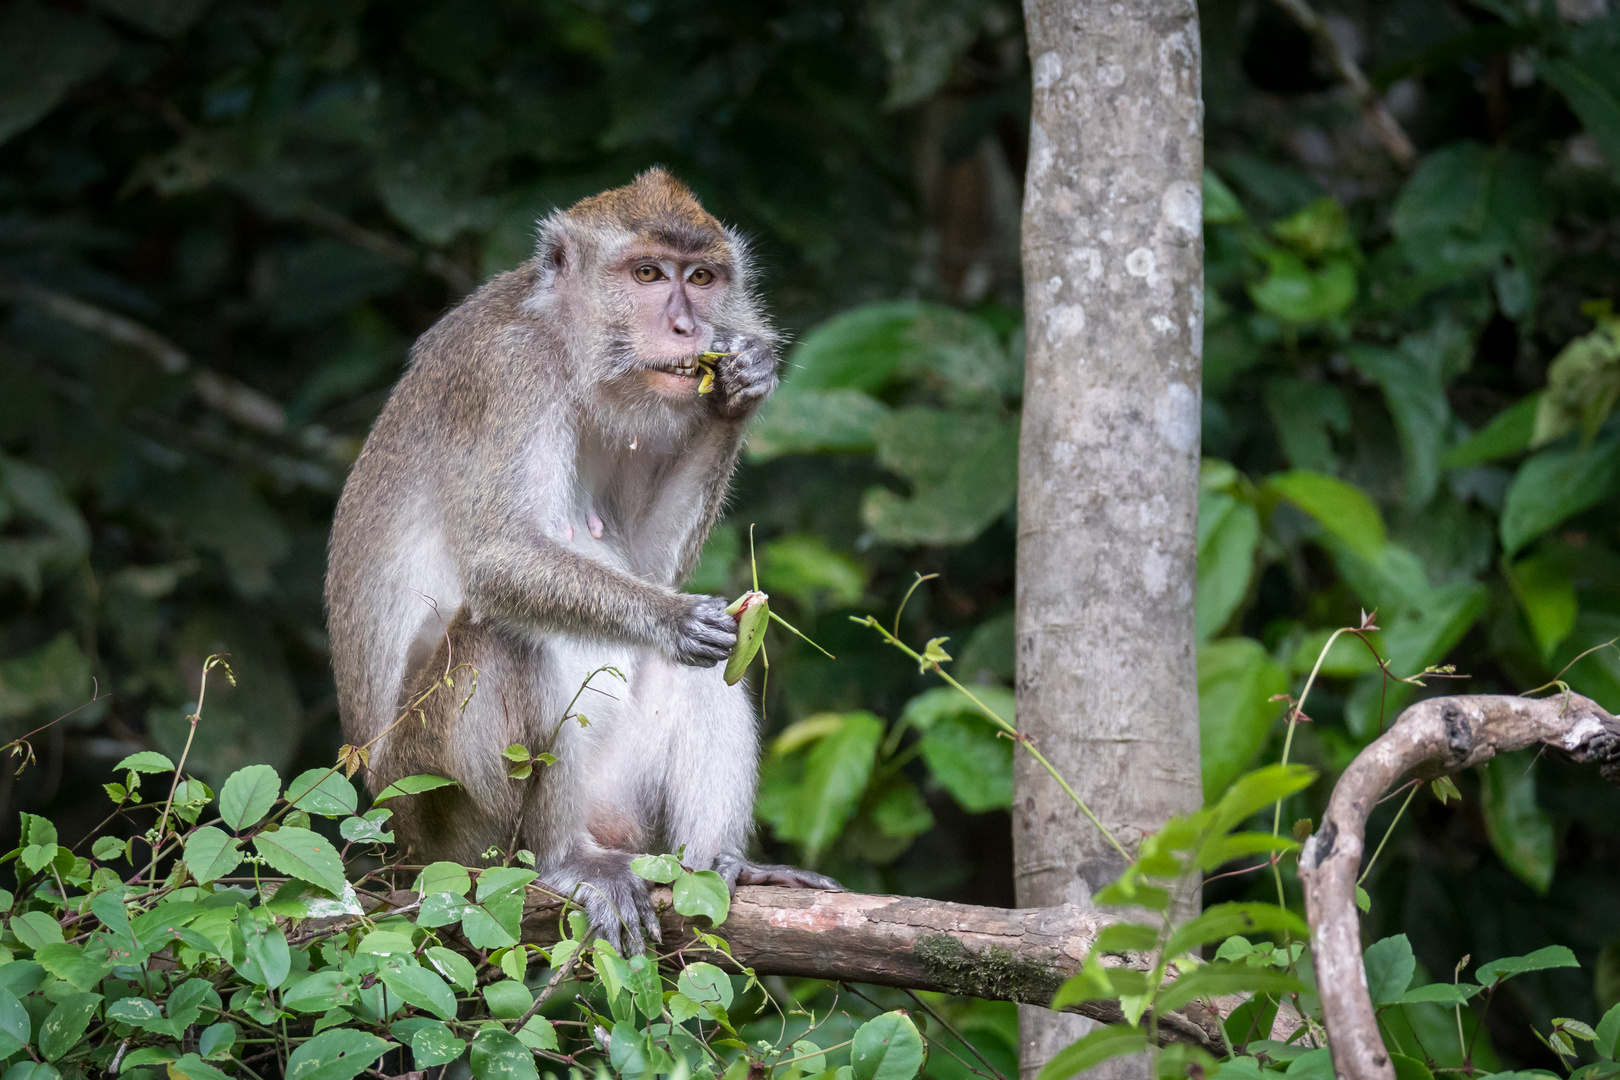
453, 966
1390, 966
15, 1025
248, 795
211, 854
703, 893
412, 785
62, 1029
323, 792
302, 854
421, 988
145, 761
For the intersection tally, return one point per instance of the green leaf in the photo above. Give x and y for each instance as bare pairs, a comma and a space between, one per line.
963, 471
1221, 921
267, 960
320, 991
1216, 979
1412, 380
338, 1054
803, 567
15, 1026
248, 795
1506, 434
753, 618
420, 988
1446, 994
217, 1039
969, 759
1557, 484
1342, 508
663, 868
302, 854
499, 1055
887, 1047
443, 877
1608, 1034
453, 966
508, 999
1294, 291
323, 792
430, 1041
1543, 959
412, 785
193, 1067
1221, 207
36, 929
1228, 537
808, 421
835, 776
62, 1029
1545, 590
72, 963
1390, 966
145, 761
367, 829
107, 848
703, 982
1520, 830
1257, 790
1101, 1045
703, 893
1237, 679
211, 853
537, 1033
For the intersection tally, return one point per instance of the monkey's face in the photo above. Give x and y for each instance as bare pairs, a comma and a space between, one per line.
673, 298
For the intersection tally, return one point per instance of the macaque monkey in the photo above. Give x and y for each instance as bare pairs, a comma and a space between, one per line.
539, 483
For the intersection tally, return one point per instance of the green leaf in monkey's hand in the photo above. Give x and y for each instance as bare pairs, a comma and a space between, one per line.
752, 611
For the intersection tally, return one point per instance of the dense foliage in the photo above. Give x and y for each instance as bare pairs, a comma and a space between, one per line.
222, 223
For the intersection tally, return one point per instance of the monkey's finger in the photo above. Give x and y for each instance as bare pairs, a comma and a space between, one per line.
649, 918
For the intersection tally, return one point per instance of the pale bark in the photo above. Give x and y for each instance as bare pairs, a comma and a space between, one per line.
1432, 738
1108, 466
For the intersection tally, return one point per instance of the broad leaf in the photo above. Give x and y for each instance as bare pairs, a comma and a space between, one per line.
339, 1054
304, 855
324, 792
1101, 1045
1520, 830
211, 853
248, 795
887, 1047
412, 785
1390, 966
1543, 959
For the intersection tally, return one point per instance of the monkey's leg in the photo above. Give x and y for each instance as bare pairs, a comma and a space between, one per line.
580, 815
710, 765
458, 731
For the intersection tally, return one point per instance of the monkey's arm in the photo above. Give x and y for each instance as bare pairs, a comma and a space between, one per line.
539, 584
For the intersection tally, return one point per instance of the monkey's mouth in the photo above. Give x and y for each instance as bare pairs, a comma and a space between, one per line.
700, 367
686, 368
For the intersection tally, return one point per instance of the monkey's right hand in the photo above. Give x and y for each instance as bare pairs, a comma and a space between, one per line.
704, 633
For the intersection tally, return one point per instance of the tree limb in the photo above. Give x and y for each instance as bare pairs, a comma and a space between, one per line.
1382, 121
1001, 954
1432, 738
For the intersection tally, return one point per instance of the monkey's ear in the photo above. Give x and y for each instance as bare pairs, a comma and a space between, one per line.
556, 250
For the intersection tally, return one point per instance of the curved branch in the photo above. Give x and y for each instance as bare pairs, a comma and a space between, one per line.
1432, 738
1002, 954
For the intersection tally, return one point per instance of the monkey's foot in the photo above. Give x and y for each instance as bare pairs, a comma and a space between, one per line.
738, 871
614, 898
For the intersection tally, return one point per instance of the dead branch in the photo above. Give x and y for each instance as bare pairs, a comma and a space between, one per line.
1432, 738
1377, 114
997, 953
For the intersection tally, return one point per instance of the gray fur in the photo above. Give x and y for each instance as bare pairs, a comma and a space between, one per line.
463, 541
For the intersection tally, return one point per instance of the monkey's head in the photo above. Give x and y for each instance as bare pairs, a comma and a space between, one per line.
649, 280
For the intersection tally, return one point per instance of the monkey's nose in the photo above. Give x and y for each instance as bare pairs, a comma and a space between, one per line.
681, 324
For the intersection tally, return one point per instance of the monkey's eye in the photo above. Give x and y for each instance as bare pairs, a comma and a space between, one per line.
647, 272
702, 276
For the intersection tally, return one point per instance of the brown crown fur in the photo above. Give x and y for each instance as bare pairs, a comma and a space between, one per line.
659, 209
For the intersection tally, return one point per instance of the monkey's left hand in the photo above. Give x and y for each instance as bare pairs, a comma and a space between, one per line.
745, 378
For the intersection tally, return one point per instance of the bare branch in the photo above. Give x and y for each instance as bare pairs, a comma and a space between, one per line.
1382, 121
1432, 738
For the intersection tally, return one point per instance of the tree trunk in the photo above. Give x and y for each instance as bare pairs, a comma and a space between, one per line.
1108, 466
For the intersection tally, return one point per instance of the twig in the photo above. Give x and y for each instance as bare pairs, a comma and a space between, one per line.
1383, 122
1435, 737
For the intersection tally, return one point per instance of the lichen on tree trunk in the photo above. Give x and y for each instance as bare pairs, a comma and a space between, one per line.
1107, 501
